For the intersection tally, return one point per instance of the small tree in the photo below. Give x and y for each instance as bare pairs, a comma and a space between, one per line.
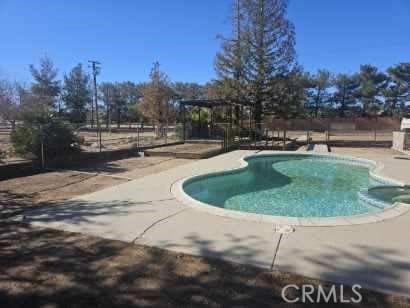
45, 86
156, 95
50, 137
76, 94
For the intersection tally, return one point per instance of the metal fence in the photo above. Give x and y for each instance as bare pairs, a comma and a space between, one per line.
279, 134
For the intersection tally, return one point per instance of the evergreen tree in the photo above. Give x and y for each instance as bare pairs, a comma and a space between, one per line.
76, 94
371, 84
231, 61
272, 52
290, 90
130, 96
263, 47
45, 86
397, 91
318, 93
189, 90
345, 92
106, 90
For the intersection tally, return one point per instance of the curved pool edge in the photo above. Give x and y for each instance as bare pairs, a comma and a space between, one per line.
374, 167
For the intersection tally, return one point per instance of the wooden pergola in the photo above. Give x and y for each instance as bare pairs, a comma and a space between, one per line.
210, 104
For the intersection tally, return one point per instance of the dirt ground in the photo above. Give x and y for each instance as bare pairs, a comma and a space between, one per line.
135, 167
55, 186
119, 140
110, 141
50, 268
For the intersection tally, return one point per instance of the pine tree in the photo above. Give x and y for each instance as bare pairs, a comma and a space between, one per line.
318, 93
76, 94
189, 90
272, 41
397, 91
231, 61
371, 84
345, 92
290, 90
263, 48
45, 86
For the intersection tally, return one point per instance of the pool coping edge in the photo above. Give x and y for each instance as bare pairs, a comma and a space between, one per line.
375, 168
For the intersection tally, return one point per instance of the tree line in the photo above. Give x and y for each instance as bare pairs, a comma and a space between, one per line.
257, 66
256, 71
71, 99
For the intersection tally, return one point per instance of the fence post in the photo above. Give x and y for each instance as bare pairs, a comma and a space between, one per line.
42, 153
138, 139
307, 136
43, 164
328, 131
375, 131
266, 136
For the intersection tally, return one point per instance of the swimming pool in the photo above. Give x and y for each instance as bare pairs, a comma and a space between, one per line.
292, 185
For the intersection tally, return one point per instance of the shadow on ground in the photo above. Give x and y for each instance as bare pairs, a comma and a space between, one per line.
382, 268
44, 267
72, 211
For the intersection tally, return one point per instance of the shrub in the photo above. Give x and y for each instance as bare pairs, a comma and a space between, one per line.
58, 139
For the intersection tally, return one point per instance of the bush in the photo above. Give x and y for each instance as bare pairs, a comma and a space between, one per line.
58, 139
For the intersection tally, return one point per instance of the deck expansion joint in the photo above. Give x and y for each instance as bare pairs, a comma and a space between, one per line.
143, 233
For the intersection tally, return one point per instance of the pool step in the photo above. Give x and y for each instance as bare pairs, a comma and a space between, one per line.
313, 147
365, 197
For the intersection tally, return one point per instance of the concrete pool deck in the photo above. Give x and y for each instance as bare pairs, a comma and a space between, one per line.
144, 211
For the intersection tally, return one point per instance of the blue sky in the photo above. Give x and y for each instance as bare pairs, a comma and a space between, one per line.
127, 36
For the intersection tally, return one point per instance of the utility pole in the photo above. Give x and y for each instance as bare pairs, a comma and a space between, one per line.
96, 69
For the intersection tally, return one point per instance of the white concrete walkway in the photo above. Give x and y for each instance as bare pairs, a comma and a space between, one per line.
144, 211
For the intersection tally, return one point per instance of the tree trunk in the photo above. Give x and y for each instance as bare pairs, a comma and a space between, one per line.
317, 103
257, 116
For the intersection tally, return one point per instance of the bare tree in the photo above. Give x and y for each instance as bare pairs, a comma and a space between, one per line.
11, 95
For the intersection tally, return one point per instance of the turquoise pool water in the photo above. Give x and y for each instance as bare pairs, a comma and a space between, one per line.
289, 185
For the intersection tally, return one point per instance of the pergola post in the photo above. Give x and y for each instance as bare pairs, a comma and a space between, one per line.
212, 121
184, 122
230, 117
199, 122
241, 117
